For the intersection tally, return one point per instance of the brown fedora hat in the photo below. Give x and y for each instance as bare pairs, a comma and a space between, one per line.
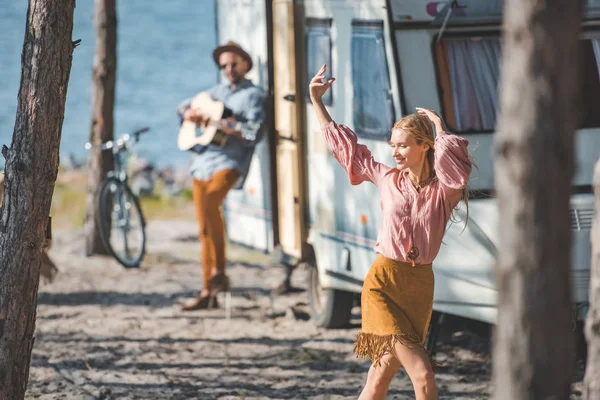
234, 48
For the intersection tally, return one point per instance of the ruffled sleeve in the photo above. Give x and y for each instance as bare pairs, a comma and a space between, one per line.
452, 164
355, 158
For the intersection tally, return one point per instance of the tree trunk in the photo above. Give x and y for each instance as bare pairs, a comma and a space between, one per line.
591, 389
103, 102
48, 269
31, 168
533, 171
1, 187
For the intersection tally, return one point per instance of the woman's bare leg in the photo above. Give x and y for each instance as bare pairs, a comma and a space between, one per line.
379, 378
417, 366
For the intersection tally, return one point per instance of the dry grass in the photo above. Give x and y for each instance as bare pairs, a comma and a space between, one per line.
68, 202
168, 207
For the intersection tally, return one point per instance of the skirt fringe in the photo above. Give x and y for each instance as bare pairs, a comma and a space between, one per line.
375, 347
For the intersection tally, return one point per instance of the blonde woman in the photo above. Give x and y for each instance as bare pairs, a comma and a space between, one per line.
417, 200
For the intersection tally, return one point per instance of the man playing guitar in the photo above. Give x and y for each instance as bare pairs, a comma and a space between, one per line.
222, 162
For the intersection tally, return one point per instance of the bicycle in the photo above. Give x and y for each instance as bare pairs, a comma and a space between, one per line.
118, 216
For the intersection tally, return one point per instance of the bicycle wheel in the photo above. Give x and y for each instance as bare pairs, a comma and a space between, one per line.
121, 222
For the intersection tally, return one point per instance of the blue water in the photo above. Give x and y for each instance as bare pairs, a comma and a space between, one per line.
163, 56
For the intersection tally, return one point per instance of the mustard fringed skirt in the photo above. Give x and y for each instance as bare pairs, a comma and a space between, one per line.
396, 303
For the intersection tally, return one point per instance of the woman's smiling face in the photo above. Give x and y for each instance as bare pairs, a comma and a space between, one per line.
405, 149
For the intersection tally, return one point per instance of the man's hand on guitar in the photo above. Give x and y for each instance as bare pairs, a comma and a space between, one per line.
194, 116
211, 117
226, 127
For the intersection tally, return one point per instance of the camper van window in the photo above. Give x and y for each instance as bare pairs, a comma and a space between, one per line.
468, 76
590, 78
468, 71
373, 107
318, 49
592, 4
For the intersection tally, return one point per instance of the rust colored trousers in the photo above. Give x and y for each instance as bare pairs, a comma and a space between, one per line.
208, 197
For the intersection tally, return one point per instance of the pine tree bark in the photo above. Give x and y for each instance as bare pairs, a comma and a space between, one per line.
31, 169
533, 172
103, 102
591, 389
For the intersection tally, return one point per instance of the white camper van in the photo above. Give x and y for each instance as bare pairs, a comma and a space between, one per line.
388, 57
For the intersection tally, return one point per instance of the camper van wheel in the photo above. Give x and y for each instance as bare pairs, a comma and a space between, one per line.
437, 319
580, 343
329, 308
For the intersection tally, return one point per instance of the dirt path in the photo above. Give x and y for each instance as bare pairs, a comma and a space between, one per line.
108, 333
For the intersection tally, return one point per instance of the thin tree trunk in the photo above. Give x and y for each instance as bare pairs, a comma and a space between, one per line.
103, 102
533, 171
31, 168
592, 324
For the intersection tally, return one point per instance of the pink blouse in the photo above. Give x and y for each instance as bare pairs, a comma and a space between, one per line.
409, 218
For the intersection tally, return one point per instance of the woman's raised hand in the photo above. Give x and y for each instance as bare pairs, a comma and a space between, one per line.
317, 88
433, 117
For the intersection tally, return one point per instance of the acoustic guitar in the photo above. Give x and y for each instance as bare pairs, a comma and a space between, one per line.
209, 131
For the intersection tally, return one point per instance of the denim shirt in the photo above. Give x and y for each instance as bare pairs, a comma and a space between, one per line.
246, 102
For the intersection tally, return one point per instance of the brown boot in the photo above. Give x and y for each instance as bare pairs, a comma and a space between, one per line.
201, 303
219, 283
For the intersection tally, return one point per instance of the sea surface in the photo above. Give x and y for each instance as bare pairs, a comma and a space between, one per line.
163, 57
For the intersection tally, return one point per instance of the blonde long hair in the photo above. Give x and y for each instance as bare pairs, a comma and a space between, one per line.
420, 127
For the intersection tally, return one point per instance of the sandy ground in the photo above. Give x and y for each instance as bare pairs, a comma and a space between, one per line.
104, 332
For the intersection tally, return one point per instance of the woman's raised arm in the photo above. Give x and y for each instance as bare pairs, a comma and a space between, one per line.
355, 158
317, 89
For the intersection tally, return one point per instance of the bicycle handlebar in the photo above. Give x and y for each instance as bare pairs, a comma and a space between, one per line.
126, 137
140, 131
